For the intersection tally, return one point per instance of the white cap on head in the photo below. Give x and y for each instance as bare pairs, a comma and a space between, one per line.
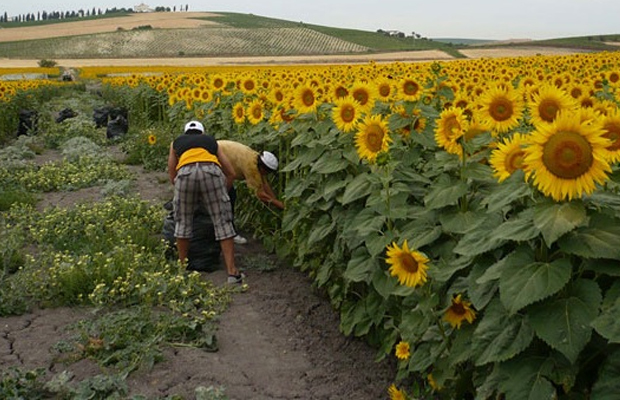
194, 125
269, 160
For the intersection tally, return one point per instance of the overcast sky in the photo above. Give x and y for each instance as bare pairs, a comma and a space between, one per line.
472, 19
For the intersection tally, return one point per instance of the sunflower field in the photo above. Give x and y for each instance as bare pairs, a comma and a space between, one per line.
462, 216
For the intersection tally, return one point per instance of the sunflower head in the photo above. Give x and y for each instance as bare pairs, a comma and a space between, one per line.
410, 267
346, 113
508, 157
305, 100
459, 310
402, 350
395, 393
372, 138
567, 158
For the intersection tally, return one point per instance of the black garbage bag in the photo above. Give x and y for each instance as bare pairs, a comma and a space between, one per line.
117, 127
27, 122
65, 114
100, 116
204, 250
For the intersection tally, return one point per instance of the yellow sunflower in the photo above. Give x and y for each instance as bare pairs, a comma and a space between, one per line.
372, 138
460, 310
255, 113
508, 157
339, 90
452, 125
238, 113
611, 127
346, 113
395, 393
305, 99
385, 89
218, 82
152, 139
248, 85
501, 108
568, 157
408, 266
403, 350
365, 95
547, 102
409, 89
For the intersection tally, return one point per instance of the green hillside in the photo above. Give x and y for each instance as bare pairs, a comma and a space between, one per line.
236, 35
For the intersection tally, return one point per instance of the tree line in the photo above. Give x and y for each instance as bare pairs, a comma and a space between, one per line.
81, 13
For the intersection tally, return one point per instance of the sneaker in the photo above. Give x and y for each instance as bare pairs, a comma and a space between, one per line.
240, 240
236, 279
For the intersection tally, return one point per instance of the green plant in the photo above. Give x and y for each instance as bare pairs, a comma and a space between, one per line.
16, 383
44, 63
133, 338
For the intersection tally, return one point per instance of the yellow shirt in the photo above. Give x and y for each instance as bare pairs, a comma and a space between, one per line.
196, 155
244, 160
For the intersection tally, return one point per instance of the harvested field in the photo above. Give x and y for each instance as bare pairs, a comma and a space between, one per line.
163, 20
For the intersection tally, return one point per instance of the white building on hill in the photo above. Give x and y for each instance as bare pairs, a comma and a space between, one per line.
142, 8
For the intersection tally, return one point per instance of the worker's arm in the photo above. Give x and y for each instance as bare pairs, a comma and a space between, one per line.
266, 195
172, 164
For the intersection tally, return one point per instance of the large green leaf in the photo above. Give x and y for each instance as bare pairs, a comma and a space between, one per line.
444, 269
480, 294
525, 285
304, 159
557, 219
607, 324
329, 163
522, 255
461, 222
607, 386
445, 194
520, 229
360, 266
605, 267
359, 187
480, 240
505, 193
600, 240
525, 380
564, 324
323, 227
500, 336
383, 283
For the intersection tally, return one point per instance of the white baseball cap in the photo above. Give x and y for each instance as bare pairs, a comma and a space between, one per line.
194, 125
269, 160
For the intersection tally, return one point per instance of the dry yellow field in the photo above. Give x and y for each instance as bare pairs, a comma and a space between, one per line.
156, 20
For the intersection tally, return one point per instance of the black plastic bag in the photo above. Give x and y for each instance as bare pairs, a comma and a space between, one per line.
204, 250
66, 114
27, 122
117, 127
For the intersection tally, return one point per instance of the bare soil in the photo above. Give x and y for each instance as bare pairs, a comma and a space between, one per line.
279, 340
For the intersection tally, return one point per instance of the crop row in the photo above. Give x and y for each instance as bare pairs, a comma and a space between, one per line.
188, 42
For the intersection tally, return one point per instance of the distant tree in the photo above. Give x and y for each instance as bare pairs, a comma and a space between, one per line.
186, 7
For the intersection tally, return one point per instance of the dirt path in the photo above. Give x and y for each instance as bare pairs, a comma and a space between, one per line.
278, 341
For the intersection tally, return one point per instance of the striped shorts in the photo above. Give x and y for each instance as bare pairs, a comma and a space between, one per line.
202, 184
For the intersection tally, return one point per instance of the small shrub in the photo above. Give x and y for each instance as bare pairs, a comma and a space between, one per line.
47, 63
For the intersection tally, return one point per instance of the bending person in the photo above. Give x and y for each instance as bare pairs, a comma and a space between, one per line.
252, 167
201, 173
